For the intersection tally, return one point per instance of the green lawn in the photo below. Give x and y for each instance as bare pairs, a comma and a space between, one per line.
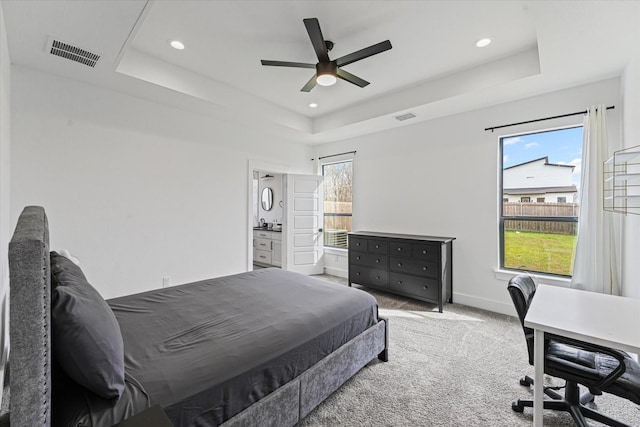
552, 253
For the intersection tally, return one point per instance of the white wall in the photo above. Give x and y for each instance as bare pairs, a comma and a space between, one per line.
537, 174
336, 262
404, 179
139, 190
135, 189
631, 138
5, 222
548, 197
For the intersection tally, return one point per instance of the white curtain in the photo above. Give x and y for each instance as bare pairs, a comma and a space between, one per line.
596, 263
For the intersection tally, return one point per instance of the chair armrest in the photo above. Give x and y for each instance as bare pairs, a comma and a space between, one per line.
619, 355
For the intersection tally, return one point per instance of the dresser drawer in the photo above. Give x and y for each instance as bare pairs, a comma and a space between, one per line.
398, 248
262, 244
418, 286
378, 246
369, 260
357, 243
416, 267
368, 276
262, 256
426, 251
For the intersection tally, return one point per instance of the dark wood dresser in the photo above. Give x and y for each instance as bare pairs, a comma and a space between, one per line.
414, 266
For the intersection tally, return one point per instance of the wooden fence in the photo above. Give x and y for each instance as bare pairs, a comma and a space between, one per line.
515, 209
337, 227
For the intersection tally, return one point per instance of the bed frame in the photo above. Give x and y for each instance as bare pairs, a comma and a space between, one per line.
30, 339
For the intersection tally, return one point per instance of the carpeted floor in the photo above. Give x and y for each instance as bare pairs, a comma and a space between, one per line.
457, 368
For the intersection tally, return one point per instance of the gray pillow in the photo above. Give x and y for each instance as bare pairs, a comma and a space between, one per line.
86, 338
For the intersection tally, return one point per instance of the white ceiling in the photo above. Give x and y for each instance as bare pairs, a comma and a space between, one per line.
434, 68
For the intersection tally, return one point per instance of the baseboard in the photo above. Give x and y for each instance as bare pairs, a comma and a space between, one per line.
483, 303
336, 272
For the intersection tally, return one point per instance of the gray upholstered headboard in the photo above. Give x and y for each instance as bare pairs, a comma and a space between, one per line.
29, 322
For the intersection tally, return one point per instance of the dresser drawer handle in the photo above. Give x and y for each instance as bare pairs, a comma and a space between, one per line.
377, 261
358, 273
377, 277
399, 282
358, 257
426, 287
399, 249
377, 246
358, 244
399, 264
424, 268
424, 251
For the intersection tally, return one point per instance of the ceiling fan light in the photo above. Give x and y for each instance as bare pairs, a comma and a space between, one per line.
326, 73
326, 79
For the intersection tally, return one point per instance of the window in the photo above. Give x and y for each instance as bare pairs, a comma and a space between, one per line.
338, 179
536, 236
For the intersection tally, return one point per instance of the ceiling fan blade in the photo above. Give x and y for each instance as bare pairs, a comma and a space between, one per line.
310, 84
364, 53
287, 64
344, 75
317, 40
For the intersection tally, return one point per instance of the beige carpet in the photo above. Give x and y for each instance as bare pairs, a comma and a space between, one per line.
457, 368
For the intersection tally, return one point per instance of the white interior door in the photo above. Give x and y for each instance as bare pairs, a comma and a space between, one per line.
304, 222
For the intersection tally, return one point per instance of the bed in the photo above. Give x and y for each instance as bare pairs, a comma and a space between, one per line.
261, 348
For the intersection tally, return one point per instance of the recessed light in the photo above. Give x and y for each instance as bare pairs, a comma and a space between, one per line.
313, 105
484, 42
176, 44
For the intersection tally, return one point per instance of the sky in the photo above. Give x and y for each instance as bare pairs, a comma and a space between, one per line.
562, 146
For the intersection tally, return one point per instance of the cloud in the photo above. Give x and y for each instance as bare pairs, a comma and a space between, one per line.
531, 145
511, 141
505, 159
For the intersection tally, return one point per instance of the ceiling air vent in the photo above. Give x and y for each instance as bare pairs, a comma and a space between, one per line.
404, 117
73, 53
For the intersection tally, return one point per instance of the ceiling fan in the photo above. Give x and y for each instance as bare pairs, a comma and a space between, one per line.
328, 71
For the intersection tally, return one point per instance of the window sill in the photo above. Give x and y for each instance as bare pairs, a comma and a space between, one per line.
546, 279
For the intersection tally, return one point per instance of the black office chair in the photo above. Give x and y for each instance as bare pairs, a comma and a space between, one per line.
598, 368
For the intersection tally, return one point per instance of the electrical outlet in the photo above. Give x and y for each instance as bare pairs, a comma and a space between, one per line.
166, 281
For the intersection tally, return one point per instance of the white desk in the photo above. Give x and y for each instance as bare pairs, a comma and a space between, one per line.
607, 320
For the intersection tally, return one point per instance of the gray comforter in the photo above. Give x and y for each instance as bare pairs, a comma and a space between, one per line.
207, 350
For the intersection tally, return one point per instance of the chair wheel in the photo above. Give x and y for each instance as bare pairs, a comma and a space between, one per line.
517, 407
525, 382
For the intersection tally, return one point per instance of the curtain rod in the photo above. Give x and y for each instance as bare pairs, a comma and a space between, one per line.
336, 155
540, 120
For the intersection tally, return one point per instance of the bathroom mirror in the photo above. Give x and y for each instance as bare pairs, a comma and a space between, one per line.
267, 198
